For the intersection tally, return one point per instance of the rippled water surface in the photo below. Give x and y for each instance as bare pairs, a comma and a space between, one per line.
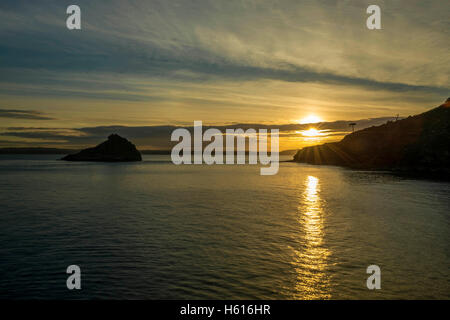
154, 230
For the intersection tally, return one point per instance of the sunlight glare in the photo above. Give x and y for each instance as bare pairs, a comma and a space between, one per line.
311, 132
312, 256
310, 119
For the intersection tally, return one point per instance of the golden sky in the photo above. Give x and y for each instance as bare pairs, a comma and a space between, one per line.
158, 63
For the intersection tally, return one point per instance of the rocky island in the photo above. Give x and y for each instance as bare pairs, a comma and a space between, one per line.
418, 144
115, 149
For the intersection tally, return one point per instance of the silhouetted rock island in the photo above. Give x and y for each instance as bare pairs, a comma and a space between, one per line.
115, 149
417, 144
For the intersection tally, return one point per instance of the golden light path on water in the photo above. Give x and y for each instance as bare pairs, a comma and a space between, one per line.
311, 258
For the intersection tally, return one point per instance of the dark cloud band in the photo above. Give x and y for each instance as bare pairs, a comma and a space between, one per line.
23, 114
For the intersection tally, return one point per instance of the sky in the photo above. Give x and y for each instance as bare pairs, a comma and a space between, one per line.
143, 67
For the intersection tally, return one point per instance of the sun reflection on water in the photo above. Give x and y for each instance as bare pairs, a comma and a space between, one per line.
311, 258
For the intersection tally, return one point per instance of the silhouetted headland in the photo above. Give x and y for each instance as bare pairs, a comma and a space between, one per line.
418, 144
115, 149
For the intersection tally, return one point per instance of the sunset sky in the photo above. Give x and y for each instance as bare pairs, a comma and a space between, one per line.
156, 64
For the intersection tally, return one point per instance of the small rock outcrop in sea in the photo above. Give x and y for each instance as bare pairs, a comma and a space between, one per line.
115, 149
418, 144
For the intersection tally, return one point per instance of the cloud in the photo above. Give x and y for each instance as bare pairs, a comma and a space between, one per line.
158, 137
23, 114
158, 61
294, 41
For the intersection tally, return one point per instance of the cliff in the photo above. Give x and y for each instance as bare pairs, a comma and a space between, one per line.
419, 143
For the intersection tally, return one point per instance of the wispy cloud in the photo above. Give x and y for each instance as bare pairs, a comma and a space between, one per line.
191, 59
23, 114
306, 41
158, 137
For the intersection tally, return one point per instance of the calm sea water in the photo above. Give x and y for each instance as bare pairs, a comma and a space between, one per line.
153, 230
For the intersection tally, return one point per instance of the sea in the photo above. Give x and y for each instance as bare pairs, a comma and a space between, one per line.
155, 230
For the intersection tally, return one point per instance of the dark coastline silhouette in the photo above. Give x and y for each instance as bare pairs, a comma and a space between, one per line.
418, 144
115, 149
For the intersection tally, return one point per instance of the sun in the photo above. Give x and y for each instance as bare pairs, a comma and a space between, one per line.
310, 119
311, 132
